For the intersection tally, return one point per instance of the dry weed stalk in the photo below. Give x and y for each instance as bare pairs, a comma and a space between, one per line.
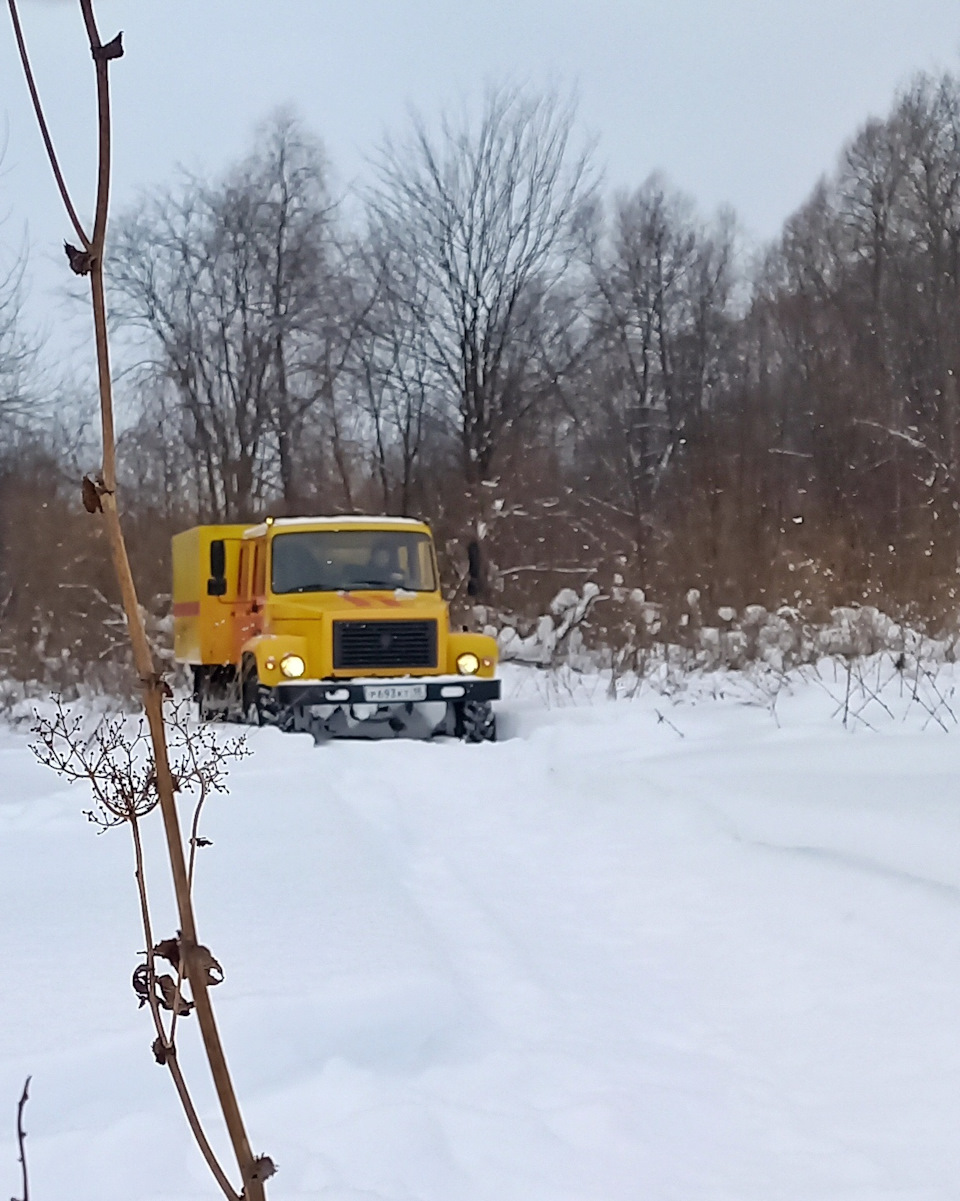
21, 1142
875, 683
100, 499
117, 764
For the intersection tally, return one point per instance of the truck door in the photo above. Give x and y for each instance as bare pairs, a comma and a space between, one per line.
251, 588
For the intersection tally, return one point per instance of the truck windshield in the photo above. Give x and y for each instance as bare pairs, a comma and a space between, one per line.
352, 560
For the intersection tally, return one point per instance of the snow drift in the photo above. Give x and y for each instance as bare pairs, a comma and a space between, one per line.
649, 949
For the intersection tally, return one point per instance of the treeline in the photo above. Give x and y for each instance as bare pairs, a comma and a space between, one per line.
585, 388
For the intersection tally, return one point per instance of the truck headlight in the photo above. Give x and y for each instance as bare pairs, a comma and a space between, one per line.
468, 664
292, 666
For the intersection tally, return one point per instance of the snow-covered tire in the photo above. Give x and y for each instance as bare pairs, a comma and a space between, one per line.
204, 694
251, 709
476, 722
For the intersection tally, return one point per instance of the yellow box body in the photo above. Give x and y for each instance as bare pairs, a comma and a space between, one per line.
202, 624
223, 630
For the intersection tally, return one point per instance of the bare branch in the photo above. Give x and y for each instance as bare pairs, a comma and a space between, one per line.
44, 131
21, 1140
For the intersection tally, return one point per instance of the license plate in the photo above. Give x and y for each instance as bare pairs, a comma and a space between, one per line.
388, 693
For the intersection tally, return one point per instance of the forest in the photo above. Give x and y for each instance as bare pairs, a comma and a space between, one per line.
572, 386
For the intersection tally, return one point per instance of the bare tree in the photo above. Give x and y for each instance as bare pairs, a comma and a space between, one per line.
240, 289
663, 286
481, 224
929, 120
18, 353
395, 379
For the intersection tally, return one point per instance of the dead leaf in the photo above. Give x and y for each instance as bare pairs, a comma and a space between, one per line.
169, 949
110, 50
141, 984
263, 1168
81, 261
169, 996
91, 496
206, 963
161, 1051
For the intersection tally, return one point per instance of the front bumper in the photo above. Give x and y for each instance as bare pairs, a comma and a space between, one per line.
353, 692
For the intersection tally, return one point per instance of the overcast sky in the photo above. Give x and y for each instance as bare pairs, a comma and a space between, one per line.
741, 102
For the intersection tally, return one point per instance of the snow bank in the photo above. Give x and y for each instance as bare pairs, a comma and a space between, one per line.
660, 949
623, 630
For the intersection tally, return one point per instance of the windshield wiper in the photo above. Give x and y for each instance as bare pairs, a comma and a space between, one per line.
386, 585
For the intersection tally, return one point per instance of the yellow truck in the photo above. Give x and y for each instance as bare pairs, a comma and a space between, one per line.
331, 625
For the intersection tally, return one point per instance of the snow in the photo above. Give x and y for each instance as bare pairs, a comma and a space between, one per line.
692, 945
334, 523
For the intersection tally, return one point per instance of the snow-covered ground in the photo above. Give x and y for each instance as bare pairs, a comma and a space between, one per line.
670, 948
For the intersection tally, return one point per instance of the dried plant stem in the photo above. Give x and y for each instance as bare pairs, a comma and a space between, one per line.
152, 685
44, 131
170, 1059
143, 660
191, 864
21, 1140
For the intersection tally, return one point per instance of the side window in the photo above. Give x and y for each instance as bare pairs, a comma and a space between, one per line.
259, 568
243, 583
425, 555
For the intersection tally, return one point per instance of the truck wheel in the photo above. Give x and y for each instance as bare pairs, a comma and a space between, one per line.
202, 694
476, 721
250, 696
205, 712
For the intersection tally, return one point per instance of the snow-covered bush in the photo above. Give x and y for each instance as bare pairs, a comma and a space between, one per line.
623, 631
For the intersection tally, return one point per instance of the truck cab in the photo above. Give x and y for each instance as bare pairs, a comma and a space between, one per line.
335, 625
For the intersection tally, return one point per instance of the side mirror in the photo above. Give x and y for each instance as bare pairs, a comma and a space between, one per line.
217, 584
474, 569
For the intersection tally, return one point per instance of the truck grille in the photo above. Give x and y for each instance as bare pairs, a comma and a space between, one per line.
384, 644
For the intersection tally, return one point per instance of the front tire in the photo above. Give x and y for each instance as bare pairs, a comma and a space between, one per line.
476, 721
251, 711
215, 691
